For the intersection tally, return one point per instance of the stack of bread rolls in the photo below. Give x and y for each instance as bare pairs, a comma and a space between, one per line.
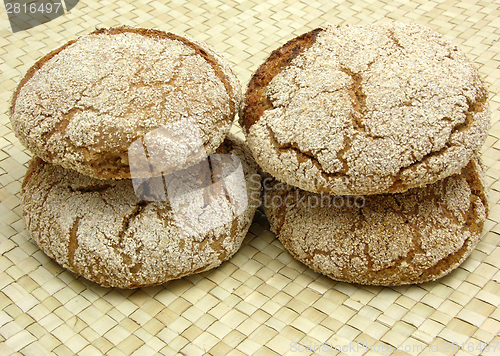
80, 108
370, 135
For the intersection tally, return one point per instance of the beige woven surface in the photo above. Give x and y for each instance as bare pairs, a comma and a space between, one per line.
262, 301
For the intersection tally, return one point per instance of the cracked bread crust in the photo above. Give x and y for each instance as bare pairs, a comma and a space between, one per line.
83, 104
393, 239
100, 230
365, 109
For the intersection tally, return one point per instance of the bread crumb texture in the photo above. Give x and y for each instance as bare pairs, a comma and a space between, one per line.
100, 230
82, 105
393, 239
365, 109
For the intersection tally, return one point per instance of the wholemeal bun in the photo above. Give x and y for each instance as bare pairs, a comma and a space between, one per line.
102, 231
389, 239
83, 104
365, 109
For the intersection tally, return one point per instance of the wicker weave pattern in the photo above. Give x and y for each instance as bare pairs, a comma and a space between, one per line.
262, 301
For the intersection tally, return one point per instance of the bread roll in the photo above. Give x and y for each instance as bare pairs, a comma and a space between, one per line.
83, 104
365, 109
389, 239
102, 231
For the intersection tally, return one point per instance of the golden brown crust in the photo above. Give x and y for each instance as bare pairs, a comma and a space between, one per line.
102, 231
255, 100
38, 64
411, 237
366, 109
199, 48
59, 113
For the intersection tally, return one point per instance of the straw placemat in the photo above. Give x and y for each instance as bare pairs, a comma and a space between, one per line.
262, 301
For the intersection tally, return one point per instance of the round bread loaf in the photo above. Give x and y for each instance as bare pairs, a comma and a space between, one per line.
83, 104
365, 109
102, 231
388, 239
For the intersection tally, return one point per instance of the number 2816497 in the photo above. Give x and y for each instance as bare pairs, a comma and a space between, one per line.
47, 8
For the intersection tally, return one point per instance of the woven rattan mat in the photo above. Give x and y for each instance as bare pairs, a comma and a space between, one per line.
262, 301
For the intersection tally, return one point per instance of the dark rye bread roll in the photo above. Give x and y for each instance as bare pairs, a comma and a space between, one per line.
83, 104
102, 231
390, 239
365, 109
